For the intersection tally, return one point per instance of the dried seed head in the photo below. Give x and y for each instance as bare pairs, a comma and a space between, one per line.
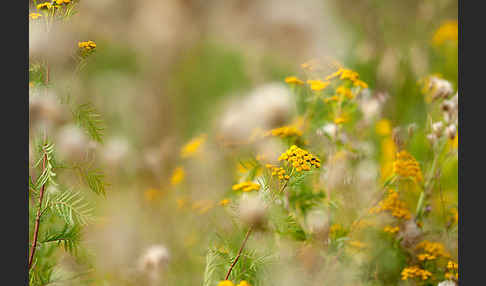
437, 128
410, 233
432, 138
451, 131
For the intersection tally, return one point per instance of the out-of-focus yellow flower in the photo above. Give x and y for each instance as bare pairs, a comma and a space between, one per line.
344, 91
340, 120
448, 31
293, 80
332, 98
391, 229
415, 272
152, 194
318, 85
246, 187
34, 16
426, 256
356, 244
406, 166
284, 132
383, 127
61, 2
392, 204
224, 202
177, 176
388, 149
193, 147
243, 283
360, 83
44, 6
436, 249
226, 283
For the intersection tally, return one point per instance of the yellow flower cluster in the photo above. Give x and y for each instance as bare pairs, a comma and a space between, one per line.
383, 127
278, 171
61, 2
318, 85
44, 6
452, 268
340, 120
448, 31
293, 80
344, 91
177, 176
87, 45
34, 16
394, 205
246, 187
284, 132
229, 283
426, 256
406, 166
224, 202
193, 146
434, 249
415, 271
347, 74
361, 224
391, 229
300, 159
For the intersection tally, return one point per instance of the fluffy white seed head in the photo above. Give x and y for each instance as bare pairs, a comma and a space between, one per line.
72, 143
252, 210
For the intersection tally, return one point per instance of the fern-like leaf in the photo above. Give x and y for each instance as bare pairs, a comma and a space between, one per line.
68, 238
71, 208
86, 116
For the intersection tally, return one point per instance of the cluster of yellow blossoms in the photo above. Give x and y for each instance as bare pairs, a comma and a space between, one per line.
391, 229
49, 5
415, 271
284, 132
44, 6
87, 46
293, 80
246, 187
452, 268
394, 205
347, 74
432, 250
406, 166
193, 146
278, 171
177, 176
318, 85
300, 159
447, 32
34, 16
229, 283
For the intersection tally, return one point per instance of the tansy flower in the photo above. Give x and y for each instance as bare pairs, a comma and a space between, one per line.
383, 127
293, 80
318, 85
246, 187
243, 283
177, 176
88, 45
284, 132
344, 91
360, 83
60, 2
415, 272
226, 283
393, 205
224, 202
340, 120
436, 249
391, 229
406, 166
278, 171
426, 256
34, 16
300, 159
44, 6
193, 146
448, 31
